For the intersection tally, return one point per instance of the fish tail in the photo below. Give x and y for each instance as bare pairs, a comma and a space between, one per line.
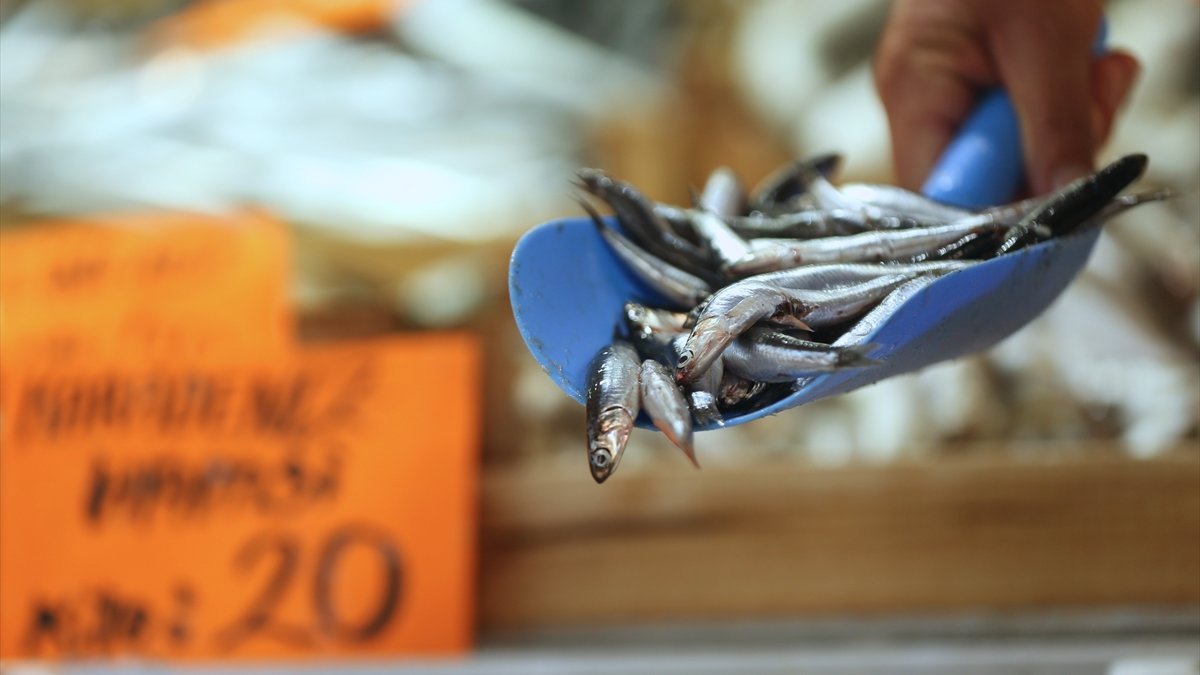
856, 356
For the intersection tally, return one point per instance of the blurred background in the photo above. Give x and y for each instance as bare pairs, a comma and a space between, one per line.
1037, 504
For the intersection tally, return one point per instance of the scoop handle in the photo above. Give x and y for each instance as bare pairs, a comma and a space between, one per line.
983, 165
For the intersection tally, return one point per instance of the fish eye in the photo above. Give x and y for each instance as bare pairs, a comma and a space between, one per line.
601, 458
685, 357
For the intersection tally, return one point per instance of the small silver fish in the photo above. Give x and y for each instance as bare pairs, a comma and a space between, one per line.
644, 227
723, 194
776, 254
832, 275
766, 355
785, 186
804, 224
898, 201
1075, 205
613, 398
678, 286
666, 406
705, 408
725, 245
732, 310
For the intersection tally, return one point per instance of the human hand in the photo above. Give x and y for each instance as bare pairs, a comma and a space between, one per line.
937, 56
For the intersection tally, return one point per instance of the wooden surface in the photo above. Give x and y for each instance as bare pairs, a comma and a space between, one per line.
970, 533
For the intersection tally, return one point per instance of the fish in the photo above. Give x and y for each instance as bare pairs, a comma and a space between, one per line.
613, 403
1074, 204
662, 346
705, 408
809, 224
644, 227
787, 184
723, 194
764, 354
768, 290
833, 275
877, 246
665, 405
735, 308
676, 285
898, 201
725, 246
641, 318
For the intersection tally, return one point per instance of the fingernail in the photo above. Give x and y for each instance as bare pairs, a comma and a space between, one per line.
1067, 173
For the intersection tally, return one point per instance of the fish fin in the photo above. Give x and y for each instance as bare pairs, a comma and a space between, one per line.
788, 322
1146, 196
685, 444
689, 449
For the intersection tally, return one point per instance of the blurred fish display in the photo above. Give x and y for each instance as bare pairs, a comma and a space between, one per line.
762, 310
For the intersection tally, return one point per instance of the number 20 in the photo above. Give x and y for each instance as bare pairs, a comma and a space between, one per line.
259, 617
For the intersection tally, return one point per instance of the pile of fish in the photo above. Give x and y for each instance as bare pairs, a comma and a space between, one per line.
758, 287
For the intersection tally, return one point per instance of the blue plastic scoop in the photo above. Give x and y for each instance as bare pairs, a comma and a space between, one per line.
568, 290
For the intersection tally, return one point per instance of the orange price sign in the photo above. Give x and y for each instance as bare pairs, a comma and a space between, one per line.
144, 287
321, 503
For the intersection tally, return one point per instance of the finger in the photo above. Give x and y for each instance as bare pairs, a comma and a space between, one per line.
1113, 77
1046, 67
929, 68
922, 126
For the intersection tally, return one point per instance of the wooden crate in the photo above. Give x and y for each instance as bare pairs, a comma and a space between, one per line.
976, 532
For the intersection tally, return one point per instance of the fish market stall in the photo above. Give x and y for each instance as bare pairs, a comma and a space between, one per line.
491, 336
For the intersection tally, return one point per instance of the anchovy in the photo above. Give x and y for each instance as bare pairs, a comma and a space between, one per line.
767, 355
966, 246
733, 309
653, 320
703, 393
612, 406
832, 275
661, 346
723, 194
899, 201
810, 224
676, 285
724, 245
645, 228
705, 408
787, 183
1075, 204
879, 246
667, 408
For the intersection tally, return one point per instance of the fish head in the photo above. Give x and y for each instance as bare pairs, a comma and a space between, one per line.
596, 182
702, 348
606, 443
